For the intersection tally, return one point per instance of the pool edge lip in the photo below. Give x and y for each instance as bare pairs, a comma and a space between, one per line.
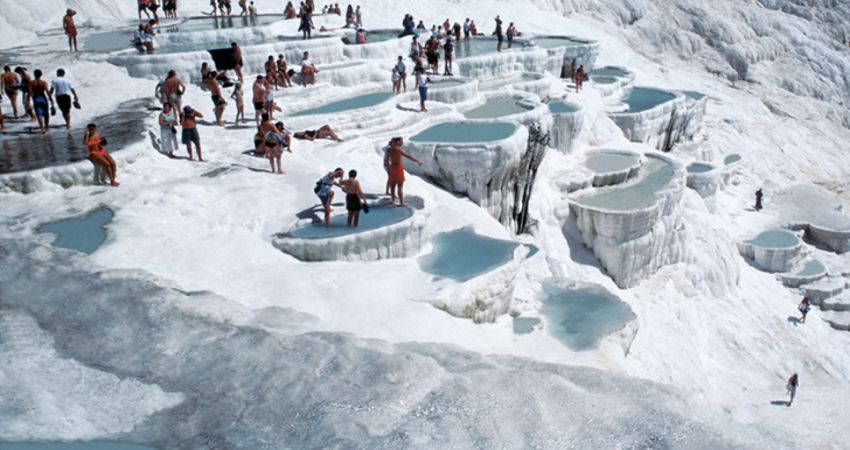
612, 151
83, 216
286, 235
678, 97
535, 108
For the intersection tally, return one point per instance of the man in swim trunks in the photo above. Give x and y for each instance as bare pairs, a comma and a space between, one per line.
325, 132
308, 70
41, 105
237, 58
190, 131
324, 189
354, 198
174, 90
432, 52
396, 164
143, 8
215, 94
10, 84
61, 88
70, 29
261, 87
275, 139
500, 36
283, 71
449, 48
26, 91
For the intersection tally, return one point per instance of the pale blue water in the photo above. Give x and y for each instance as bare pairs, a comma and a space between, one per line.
466, 132
220, 23
108, 41
558, 107
812, 268
555, 42
699, 168
611, 72
379, 216
733, 158
496, 107
524, 325
694, 95
97, 445
604, 80
610, 162
85, 234
581, 317
349, 104
642, 99
373, 37
653, 175
442, 84
477, 46
775, 239
461, 255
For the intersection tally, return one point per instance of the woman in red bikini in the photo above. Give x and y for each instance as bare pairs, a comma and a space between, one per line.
97, 152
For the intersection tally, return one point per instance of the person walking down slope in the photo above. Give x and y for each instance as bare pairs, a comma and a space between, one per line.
500, 36
759, 196
804, 307
793, 381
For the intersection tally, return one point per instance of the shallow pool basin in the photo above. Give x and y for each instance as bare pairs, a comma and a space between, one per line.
604, 162
561, 107
84, 234
349, 104
462, 254
581, 317
466, 132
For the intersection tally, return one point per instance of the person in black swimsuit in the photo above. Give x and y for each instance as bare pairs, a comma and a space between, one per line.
355, 200
325, 132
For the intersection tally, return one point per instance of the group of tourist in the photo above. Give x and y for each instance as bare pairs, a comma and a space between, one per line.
225, 8
38, 99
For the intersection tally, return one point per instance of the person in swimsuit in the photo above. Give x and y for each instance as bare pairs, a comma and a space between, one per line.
394, 158
422, 81
243, 5
237, 58
580, 77
283, 71
500, 36
324, 190
98, 154
239, 97
26, 92
354, 198
275, 140
466, 29
41, 105
70, 29
289, 11
271, 71
308, 70
11, 84
791, 387
214, 11
402, 73
306, 25
168, 130
217, 99
511, 33
449, 48
62, 89
143, 8
415, 49
261, 86
174, 90
325, 132
190, 131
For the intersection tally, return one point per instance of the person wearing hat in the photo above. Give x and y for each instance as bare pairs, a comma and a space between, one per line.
70, 29
190, 131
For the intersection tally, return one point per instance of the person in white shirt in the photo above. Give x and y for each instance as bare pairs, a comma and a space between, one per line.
308, 70
61, 88
402, 74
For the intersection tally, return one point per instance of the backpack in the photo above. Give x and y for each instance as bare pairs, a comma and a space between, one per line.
318, 187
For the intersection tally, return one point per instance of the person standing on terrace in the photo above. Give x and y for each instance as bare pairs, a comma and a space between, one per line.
500, 36
70, 29
174, 90
394, 159
237, 60
143, 8
511, 33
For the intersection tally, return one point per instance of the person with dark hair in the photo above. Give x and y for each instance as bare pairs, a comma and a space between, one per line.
324, 190
98, 154
11, 84
168, 119
580, 77
283, 71
449, 48
41, 105
174, 89
62, 89
26, 92
422, 81
261, 86
70, 29
237, 60
217, 99
791, 387
500, 36
511, 33
804, 307
143, 8
759, 196
190, 131
355, 200
308, 70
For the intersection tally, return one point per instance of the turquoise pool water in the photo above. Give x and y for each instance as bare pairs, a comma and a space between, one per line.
85, 234
775, 239
812, 268
220, 23
643, 99
373, 37
98, 445
558, 107
496, 107
555, 42
477, 47
653, 175
379, 216
442, 84
524, 325
733, 158
349, 104
466, 132
699, 168
461, 255
611, 72
610, 162
694, 95
582, 317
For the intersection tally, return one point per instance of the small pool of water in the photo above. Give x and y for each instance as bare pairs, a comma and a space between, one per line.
524, 325
220, 23
812, 268
379, 216
612, 72
442, 84
653, 175
461, 255
28, 149
559, 107
373, 37
84, 234
604, 80
699, 168
775, 239
466, 132
496, 107
582, 317
643, 99
556, 42
349, 104
97, 445
610, 162
694, 95
730, 159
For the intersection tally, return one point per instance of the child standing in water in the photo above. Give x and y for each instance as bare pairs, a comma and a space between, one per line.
238, 97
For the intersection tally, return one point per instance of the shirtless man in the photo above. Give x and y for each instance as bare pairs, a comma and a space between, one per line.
354, 198
325, 132
260, 88
70, 29
143, 8
26, 91
243, 4
212, 4
190, 131
215, 94
10, 86
271, 71
174, 90
237, 58
274, 140
396, 164
40, 96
